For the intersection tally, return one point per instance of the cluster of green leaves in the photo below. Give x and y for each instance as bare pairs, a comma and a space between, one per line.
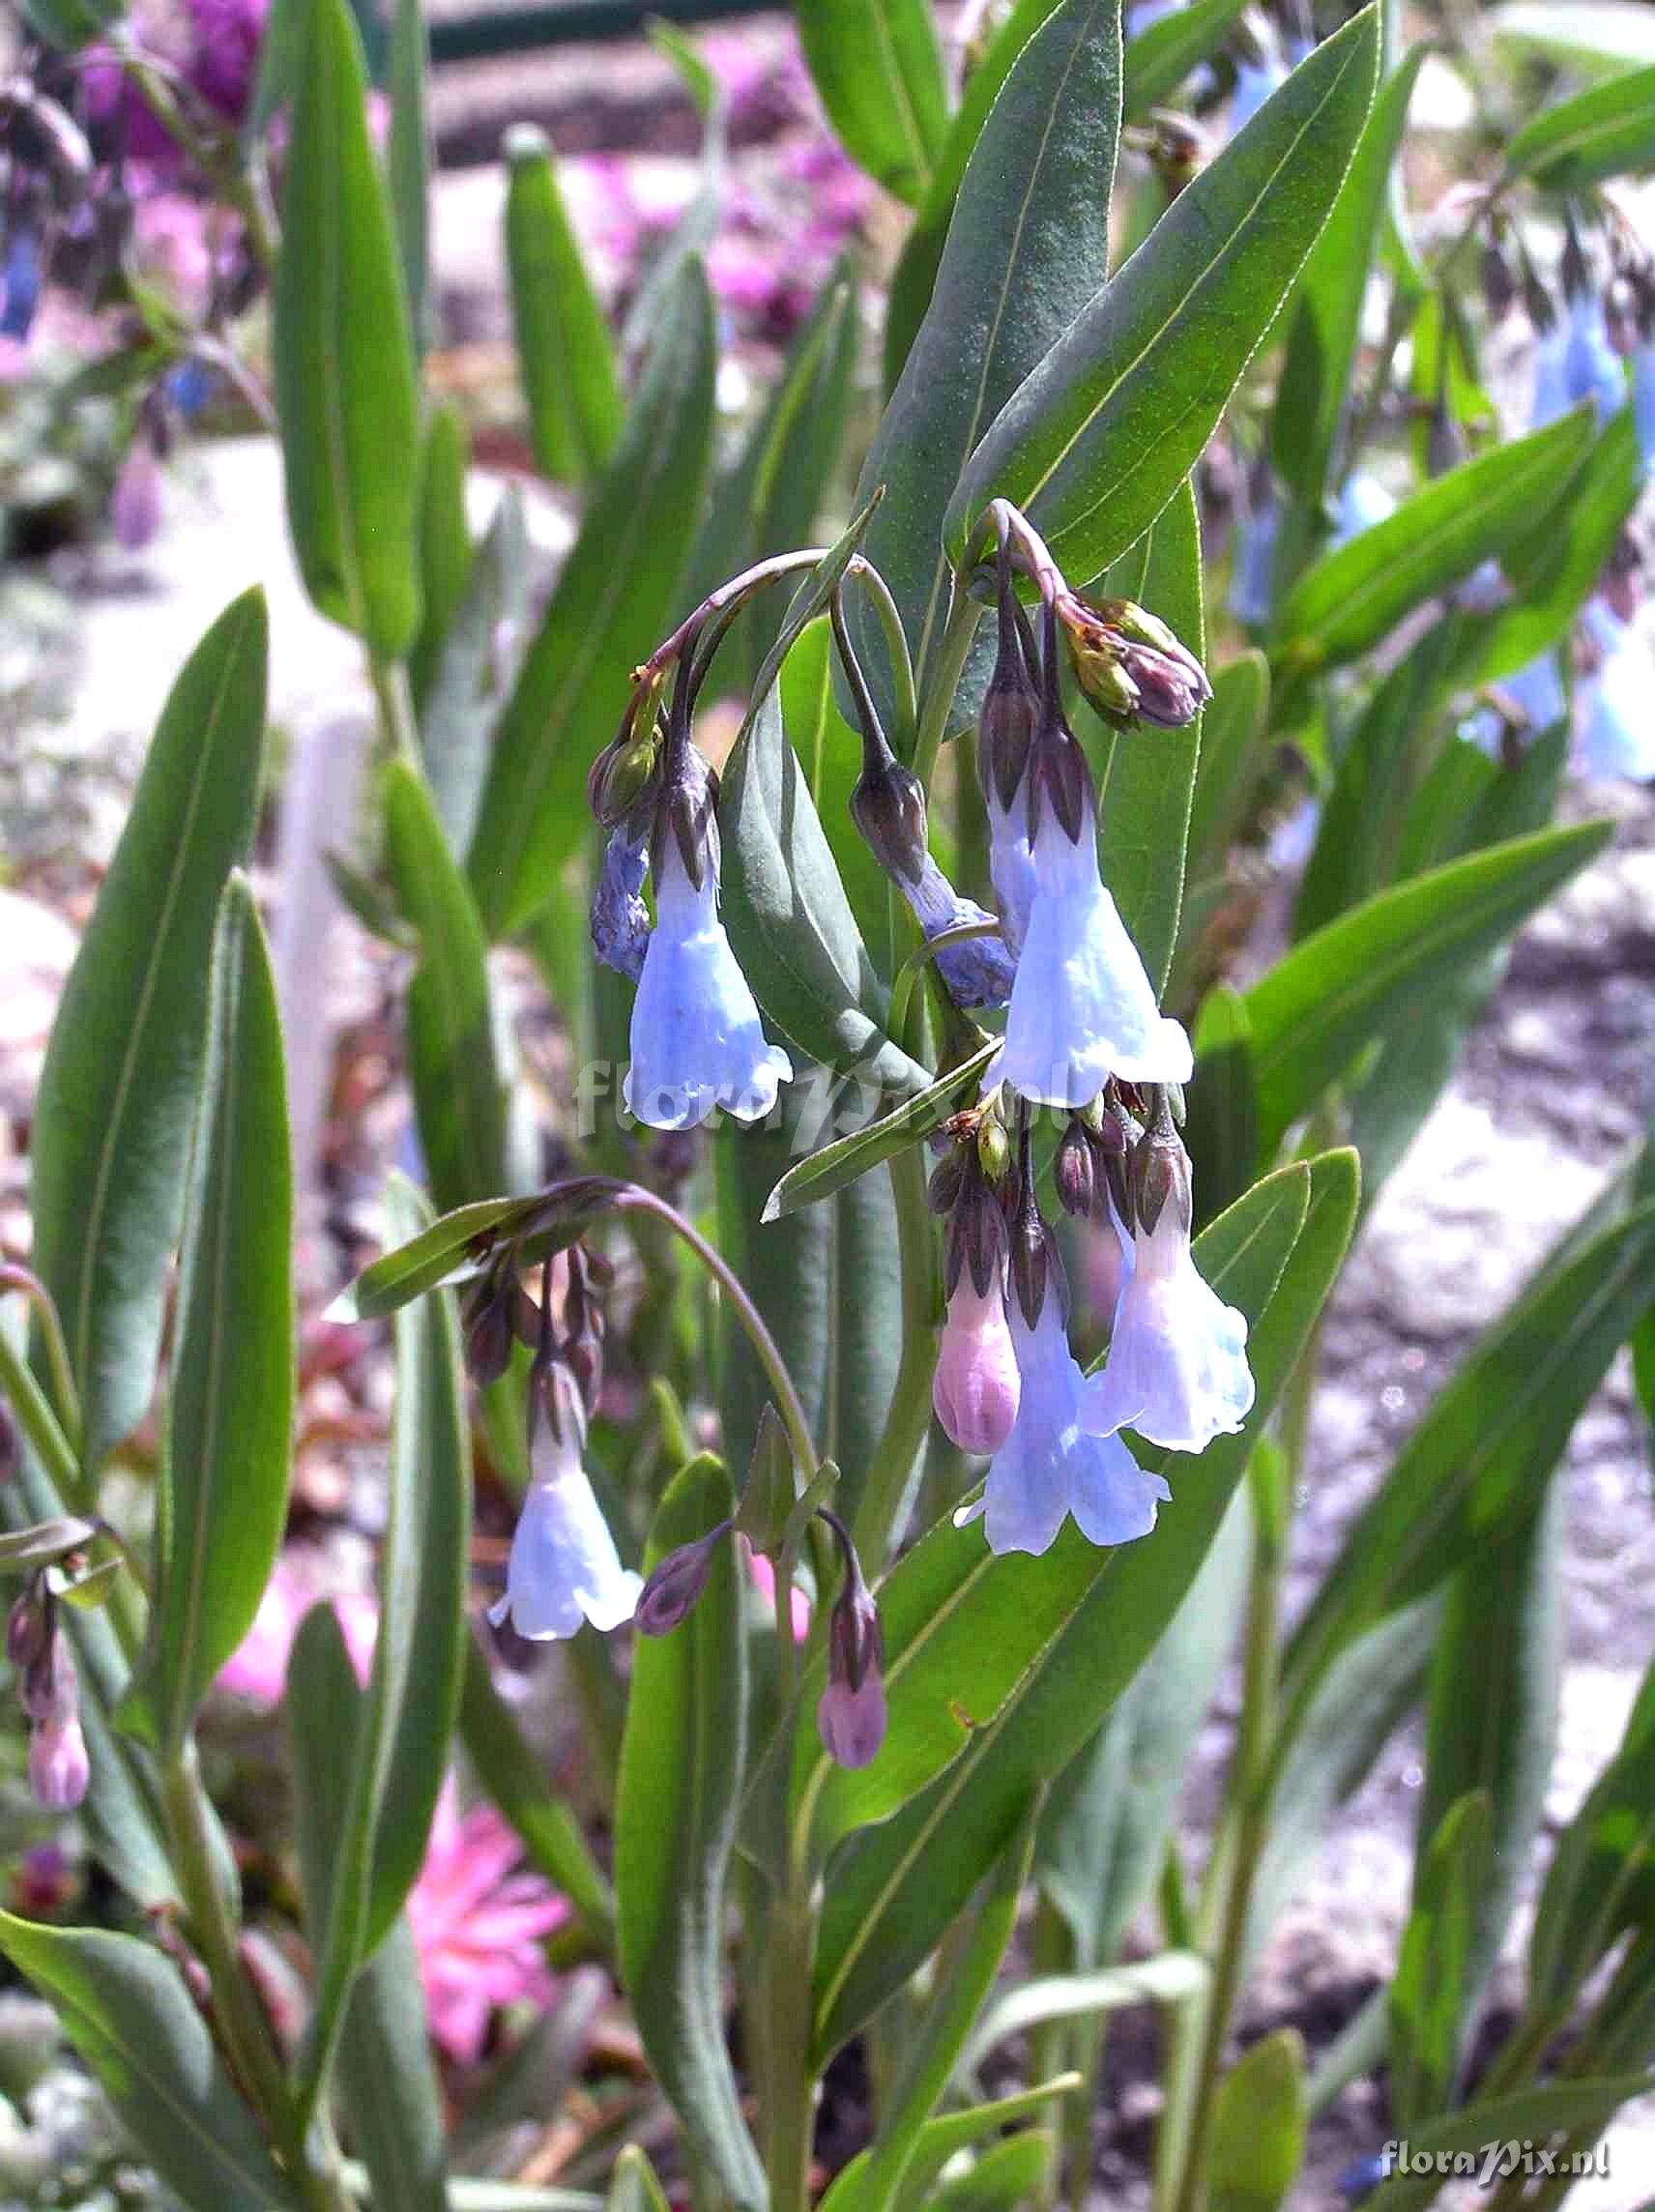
1040, 1710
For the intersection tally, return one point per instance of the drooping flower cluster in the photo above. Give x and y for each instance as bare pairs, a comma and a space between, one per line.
698, 1041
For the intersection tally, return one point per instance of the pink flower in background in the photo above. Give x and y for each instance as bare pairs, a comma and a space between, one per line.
215, 46
257, 1670
478, 1926
763, 1576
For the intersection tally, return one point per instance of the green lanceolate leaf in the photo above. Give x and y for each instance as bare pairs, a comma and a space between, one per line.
458, 1096
445, 1248
879, 69
1259, 2127
1163, 52
343, 353
915, 271
1333, 992
1099, 437
831, 753
408, 160
1146, 778
1475, 1467
941, 2139
1221, 1132
635, 2187
1231, 760
1527, 2115
1554, 568
1352, 597
894, 1887
399, 1747
460, 702
846, 1158
1492, 1711
1434, 1983
564, 348
1602, 1879
789, 918
680, 1780
1001, 2178
1110, 1821
769, 499
612, 604
445, 551
1607, 132
962, 1988
1325, 327
386, 2082
1028, 246
224, 1490
113, 1118
126, 2011
516, 1780
1165, 1979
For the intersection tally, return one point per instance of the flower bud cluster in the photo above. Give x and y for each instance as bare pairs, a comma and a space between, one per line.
49, 1692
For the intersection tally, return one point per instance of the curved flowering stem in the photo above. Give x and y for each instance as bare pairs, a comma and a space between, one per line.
633, 1198
909, 974
15, 1277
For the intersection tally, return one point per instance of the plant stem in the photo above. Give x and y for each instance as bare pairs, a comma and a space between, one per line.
789, 2071
22, 1392
1235, 1870
1049, 2046
394, 700
942, 680
908, 1418
635, 1199
242, 2025
30, 1287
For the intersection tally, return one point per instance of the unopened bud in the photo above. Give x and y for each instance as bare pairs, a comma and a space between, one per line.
48, 1690
1158, 1176
975, 1242
489, 1333
888, 805
994, 1151
1010, 713
59, 1770
1444, 448
1130, 665
852, 1713
29, 1629
1499, 285
670, 1595
10, 1456
948, 1181
1074, 1171
1176, 150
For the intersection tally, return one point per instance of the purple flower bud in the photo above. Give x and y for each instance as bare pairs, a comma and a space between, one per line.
59, 1770
975, 1389
669, 1596
888, 805
853, 1722
48, 1691
489, 1333
1074, 1171
28, 1630
619, 918
1130, 665
1010, 712
135, 505
1158, 1177
948, 1181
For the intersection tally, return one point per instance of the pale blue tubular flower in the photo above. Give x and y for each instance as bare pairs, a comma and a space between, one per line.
1178, 1370
1592, 369
1363, 502
1618, 736
1255, 82
1050, 1466
697, 1040
1643, 402
1011, 868
564, 1567
619, 918
1252, 580
979, 972
1083, 1008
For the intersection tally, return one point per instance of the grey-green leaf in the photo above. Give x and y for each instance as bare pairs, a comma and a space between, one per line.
612, 606
1161, 55
1027, 245
681, 1779
1259, 2127
810, 1180
566, 354
113, 1113
879, 69
1435, 1981
126, 2011
223, 1489
1606, 132
1353, 596
459, 1099
1316, 1008
408, 160
1099, 437
343, 352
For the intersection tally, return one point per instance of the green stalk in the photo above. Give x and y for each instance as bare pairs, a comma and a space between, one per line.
393, 697
1049, 2046
789, 2069
909, 1416
240, 2025
943, 681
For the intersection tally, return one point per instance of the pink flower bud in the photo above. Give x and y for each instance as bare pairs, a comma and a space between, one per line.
852, 1721
134, 506
975, 1389
670, 1595
59, 1770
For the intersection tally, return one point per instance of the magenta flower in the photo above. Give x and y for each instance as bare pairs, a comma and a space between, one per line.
478, 1926
257, 1668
